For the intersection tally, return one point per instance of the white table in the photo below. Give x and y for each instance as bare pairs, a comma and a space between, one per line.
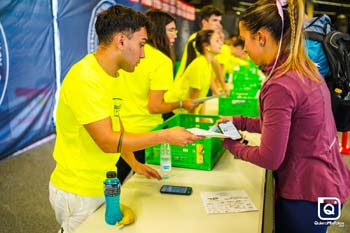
164, 213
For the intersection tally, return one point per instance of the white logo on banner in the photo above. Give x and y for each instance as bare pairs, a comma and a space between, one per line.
92, 40
4, 64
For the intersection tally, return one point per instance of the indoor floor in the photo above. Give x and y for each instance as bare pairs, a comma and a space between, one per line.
24, 204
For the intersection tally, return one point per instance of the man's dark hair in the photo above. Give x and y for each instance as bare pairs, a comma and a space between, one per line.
208, 11
116, 19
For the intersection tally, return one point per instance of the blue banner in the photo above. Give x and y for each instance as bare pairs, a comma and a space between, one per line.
27, 81
39, 42
76, 20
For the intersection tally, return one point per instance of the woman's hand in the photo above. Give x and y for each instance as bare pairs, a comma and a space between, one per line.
189, 105
223, 119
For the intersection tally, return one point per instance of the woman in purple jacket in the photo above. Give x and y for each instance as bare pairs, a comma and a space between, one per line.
298, 135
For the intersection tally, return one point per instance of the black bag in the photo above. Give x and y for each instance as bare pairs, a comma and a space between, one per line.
336, 46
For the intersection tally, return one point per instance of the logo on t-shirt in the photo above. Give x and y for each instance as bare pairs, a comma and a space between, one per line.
4, 64
117, 104
92, 40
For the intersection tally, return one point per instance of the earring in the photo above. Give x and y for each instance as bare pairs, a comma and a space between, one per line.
208, 49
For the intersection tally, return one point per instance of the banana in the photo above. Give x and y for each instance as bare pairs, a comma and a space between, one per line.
128, 215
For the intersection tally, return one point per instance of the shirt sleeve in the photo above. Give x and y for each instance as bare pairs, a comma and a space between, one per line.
247, 123
195, 74
161, 78
89, 102
278, 105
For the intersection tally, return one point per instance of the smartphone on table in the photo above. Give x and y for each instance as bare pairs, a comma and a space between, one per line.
173, 189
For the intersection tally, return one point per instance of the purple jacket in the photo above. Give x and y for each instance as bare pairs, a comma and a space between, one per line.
298, 139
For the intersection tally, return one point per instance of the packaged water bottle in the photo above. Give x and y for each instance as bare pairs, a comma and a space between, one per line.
165, 160
112, 197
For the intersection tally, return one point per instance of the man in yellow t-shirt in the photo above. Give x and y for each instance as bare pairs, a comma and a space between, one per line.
90, 135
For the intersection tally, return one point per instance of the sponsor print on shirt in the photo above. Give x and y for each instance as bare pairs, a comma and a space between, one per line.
117, 103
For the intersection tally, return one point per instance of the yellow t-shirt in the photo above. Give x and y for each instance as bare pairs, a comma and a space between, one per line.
154, 72
181, 68
197, 75
229, 61
224, 57
87, 95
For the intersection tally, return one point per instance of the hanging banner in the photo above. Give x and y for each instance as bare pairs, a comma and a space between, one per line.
27, 77
39, 42
76, 20
176, 7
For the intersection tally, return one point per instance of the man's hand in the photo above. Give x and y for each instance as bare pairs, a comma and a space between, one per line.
189, 105
180, 136
146, 171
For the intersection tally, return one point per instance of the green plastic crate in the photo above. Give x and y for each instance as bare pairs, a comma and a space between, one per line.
202, 154
232, 106
244, 93
245, 85
245, 73
243, 77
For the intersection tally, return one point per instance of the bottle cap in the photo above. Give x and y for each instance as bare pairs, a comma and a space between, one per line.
111, 174
338, 90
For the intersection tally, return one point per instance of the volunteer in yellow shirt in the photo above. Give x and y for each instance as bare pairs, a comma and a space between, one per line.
196, 79
210, 18
142, 91
231, 55
90, 135
153, 74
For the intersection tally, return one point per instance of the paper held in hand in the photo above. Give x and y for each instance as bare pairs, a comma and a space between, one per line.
207, 133
201, 100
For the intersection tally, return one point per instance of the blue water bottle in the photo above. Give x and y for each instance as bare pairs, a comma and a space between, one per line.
112, 197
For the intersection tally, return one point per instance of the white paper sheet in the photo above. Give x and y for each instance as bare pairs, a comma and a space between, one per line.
201, 100
207, 133
222, 202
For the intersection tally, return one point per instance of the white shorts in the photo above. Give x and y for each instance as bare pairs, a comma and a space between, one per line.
71, 209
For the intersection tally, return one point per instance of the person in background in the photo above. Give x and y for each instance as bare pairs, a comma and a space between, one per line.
218, 83
231, 55
237, 48
210, 18
196, 79
90, 135
299, 140
142, 91
315, 48
234, 36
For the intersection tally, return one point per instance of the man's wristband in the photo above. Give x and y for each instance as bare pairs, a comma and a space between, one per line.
180, 104
119, 147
